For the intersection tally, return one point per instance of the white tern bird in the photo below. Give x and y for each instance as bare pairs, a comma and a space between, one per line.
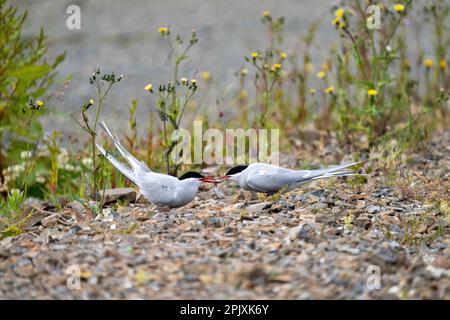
159, 189
267, 178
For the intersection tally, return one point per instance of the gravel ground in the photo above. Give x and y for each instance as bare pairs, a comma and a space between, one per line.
319, 242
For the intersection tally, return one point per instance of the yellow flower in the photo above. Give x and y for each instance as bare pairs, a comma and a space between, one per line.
283, 55
443, 64
329, 89
91, 101
312, 91
244, 72
321, 74
163, 30
39, 103
309, 67
339, 13
342, 25
428, 63
193, 81
336, 21
266, 14
276, 67
183, 80
372, 92
206, 75
255, 55
149, 87
399, 7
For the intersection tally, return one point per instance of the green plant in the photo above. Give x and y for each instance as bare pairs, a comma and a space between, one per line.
174, 97
25, 75
268, 65
10, 211
103, 84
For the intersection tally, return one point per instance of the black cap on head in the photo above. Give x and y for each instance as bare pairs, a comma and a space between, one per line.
236, 169
190, 174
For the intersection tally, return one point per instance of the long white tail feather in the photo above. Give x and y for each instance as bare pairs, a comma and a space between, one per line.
339, 175
137, 165
127, 172
334, 172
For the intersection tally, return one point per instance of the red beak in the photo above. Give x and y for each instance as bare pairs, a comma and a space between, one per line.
208, 180
223, 178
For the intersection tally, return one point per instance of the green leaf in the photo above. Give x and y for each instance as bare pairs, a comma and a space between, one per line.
30, 72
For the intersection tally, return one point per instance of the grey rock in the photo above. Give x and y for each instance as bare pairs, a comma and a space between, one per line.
373, 209
124, 194
382, 192
214, 222
77, 206
50, 221
257, 207
363, 221
303, 231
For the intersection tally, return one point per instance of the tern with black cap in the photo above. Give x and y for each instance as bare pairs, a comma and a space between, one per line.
160, 189
267, 178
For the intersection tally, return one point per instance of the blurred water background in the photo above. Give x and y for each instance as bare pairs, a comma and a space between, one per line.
122, 36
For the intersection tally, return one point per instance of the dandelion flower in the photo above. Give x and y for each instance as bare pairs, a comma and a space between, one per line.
329, 89
255, 55
149, 87
372, 92
428, 63
266, 14
443, 64
163, 31
206, 75
183, 80
399, 7
39, 103
283, 55
339, 13
321, 74
91, 101
193, 81
276, 67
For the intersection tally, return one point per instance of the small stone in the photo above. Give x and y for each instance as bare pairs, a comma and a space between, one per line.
77, 206
213, 222
50, 221
373, 209
123, 194
363, 221
257, 207
441, 262
302, 231
381, 193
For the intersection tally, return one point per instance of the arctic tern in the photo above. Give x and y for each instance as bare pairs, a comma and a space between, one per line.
267, 178
159, 189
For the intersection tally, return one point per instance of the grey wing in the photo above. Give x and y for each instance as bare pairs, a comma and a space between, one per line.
270, 181
159, 189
